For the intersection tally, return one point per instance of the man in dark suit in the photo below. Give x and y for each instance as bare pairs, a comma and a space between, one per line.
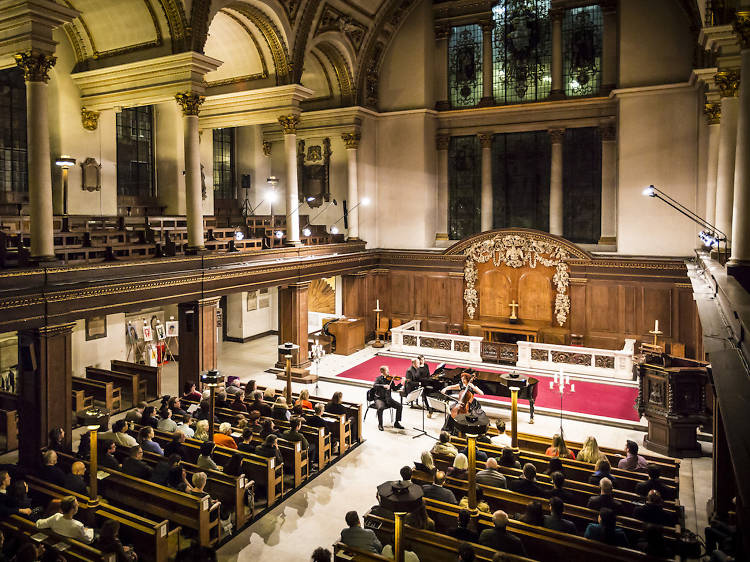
555, 519
491, 475
107, 455
354, 535
653, 512
294, 433
462, 531
499, 538
558, 490
382, 388
74, 480
50, 471
654, 482
527, 483
134, 465
317, 419
436, 491
605, 498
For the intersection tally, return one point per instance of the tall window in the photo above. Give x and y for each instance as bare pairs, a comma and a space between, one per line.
582, 48
522, 51
135, 152
13, 168
465, 65
582, 185
464, 187
520, 180
224, 163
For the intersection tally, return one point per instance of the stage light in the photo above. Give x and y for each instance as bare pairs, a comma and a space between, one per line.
650, 191
271, 196
309, 199
238, 235
365, 201
279, 234
334, 229
306, 231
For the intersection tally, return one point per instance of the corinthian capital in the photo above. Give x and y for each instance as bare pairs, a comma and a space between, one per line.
289, 123
728, 82
712, 112
190, 102
35, 64
485, 140
351, 140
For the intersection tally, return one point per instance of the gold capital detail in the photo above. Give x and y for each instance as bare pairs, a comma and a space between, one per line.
728, 82
556, 135
89, 119
266, 148
289, 123
741, 27
190, 102
712, 112
485, 140
442, 142
35, 64
351, 140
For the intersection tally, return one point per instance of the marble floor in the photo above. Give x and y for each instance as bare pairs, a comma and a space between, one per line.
314, 515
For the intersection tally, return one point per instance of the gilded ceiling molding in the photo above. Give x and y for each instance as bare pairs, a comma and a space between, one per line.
246, 29
325, 74
76, 40
176, 22
341, 68
332, 19
199, 24
300, 39
273, 38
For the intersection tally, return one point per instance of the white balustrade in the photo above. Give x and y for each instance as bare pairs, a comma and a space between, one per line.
578, 360
408, 338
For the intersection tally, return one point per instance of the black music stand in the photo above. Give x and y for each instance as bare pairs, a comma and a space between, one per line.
415, 395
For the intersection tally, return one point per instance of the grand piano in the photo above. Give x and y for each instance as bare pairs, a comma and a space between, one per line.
488, 382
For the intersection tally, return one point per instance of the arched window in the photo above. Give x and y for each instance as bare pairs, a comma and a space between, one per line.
582, 48
465, 65
224, 163
521, 51
13, 167
464, 187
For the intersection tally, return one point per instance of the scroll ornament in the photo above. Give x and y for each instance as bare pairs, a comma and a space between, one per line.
516, 251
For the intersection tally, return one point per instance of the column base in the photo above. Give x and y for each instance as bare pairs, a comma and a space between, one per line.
195, 250
441, 236
608, 240
354, 239
44, 260
442, 105
740, 270
486, 102
557, 95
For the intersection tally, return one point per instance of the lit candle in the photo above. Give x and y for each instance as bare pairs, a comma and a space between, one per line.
567, 378
561, 387
656, 325
555, 377
573, 387
377, 306
551, 385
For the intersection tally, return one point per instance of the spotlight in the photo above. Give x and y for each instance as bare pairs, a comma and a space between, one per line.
334, 229
310, 199
65, 162
650, 191
271, 196
306, 231
365, 201
279, 234
238, 235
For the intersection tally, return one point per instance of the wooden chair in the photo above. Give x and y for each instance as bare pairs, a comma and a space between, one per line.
382, 329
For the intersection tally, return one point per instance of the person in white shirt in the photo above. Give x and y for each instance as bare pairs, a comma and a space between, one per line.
166, 423
64, 524
119, 434
186, 429
502, 440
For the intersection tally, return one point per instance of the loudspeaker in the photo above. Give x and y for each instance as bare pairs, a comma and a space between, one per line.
245, 181
346, 214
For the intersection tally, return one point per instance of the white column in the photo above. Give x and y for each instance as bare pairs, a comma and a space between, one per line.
442, 142
713, 116
609, 185
351, 141
487, 97
289, 124
36, 66
190, 103
556, 182
486, 222
609, 45
442, 33
741, 206
728, 82
556, 68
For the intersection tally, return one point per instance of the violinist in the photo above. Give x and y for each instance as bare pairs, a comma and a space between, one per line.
381, 391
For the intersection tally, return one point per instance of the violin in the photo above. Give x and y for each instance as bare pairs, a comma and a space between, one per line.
464, 399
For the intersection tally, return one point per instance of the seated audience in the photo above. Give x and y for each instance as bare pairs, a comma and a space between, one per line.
316, 419
146, 439
238, 403
558, 488
176, 445
160, 474
491, 475
462, 531
281, 410
444, 446
224, 438
409, 555
304, 399
177, 478
460, 466
134, 465
149, 417
555, 519
606, 529
602, 471
555, 465
50, 471
652, 542
405, 472
426, 463
201, 430
480, 455
254, 422
508, 459
294, 433
335, 406
175, 404
205, 458
233, 385
57, 440
320, 554
590, 451
234, 466
654, 482
558, 448
527, 484
185, 427
267, 397
109, 542
74, 479
481, 504
354, 535
466, 552
166, 423
632, 460
419, 519
107, 455
436, 491
199, 481
64, 524
270, 448
220, 400
119, 434
499, 538
8, 506
190, 392
246, 445
653, 511
250, 387
533, 514
502, 439
605, 498
268, 428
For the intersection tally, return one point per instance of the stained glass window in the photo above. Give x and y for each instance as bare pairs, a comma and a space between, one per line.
465, 65
521, 51
135, 152
520, 180
464, 187
224, 163
582, 51
582, 185
13, 167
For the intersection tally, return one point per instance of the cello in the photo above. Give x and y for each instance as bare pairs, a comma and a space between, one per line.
464, 400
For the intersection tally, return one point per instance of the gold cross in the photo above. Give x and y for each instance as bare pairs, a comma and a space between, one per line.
513, 307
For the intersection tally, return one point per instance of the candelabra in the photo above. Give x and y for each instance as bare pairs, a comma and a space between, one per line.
377, 310
561, 381
316, 354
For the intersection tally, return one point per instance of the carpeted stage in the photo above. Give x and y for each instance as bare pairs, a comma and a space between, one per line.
590, 398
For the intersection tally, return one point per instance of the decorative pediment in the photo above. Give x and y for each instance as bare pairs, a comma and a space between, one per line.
334, 20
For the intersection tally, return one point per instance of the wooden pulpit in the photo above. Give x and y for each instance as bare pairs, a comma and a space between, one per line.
349, 334
672, 397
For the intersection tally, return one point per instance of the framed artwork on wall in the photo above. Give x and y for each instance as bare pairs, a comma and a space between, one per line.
96, 328
264, 298
172, 328
252, 300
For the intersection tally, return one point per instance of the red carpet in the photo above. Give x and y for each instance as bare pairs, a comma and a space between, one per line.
589, 398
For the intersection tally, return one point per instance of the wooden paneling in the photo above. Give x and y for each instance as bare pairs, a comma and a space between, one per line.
535, 295
600, 298
530, 287
656, 304
495, 293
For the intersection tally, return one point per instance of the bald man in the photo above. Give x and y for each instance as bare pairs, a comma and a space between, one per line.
499, 538
491, 475
605, 498
74, 481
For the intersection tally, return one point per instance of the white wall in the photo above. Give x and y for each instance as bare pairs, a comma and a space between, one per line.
243, 324
99, 352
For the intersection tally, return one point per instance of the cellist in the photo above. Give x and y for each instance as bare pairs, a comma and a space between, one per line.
466, 384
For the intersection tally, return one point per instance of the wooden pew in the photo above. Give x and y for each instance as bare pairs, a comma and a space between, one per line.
346, 553
134, 388
152, 375
81, 401
104, 392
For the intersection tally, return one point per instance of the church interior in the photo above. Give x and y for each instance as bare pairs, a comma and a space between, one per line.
369, 280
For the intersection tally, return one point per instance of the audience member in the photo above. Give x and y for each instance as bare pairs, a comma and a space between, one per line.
50, 471
502, 439
106, 455
190, 392
632, 460
491, 475
602, 471
444, 446
281, 409
508, 459
294, 433
652, 542
268, 428
320, 554
425, 463
149, 417
223, 437
270, 448
527, 483
317, 420
57, 440
233, 385
134, 465
166, 423
354, 535
64, 524
119, 434
459, 468
185, 427
177, 478
160, 474
8, 506
481, 504
419, 519
205, 458
201, 430
605, 498
606, 529
462, 531
304, 399
558, 448
554, 465
238, 403
409, 554
558, 488
436, 491
405, 474
533, 514
220, 399
109, 542
74, 479
555, 519
175, 404
146, 440
246, 445
590, 451
653, 511
499, 538
654, 482
176, 445
466, 552
335, 406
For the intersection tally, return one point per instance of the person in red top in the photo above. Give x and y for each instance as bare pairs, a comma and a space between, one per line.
224, 437
303, 399
190, 392
558, 449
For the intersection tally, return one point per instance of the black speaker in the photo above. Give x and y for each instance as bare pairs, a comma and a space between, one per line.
346, 214
245, 181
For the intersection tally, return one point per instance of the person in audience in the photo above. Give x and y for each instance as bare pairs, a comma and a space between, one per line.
190, 392
317, 419
558, 488
203, 411
108, 542
652, 542
185, 426
419, 519
234, 466
8, 506
160, 474
436, 491
499, 538
256, 402
149, 417
334, 405
233, 385
405, 474
304, 399
240, 421
134, 465
606, 529
527, 484
205, 458
106, 455
238, 403
177, 445
653, 511
459, 468
268, 428
64, 524
508, 459
444, 446
632, 460
250, 387
134, 415
177, 478
120, 435
19, 495
555, 465
555, 519
354, 535
30, 552
491, 475
482, 505
320, 554
558, 448
201, 430
590, 451
533, 514
481, 455
280, 409
502, 439
409, 554
224, 436
199, 481
220, 401
654, 482
74, 479
426, 463
166, 423
602, 471
270, 448
466, 552
294, 433
84, 446
605, 498
57, 441
175, 405
50, 471
146, 440
246, 445
462, 531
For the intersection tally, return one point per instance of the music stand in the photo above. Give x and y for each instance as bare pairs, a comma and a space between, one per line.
415, 395
440, 406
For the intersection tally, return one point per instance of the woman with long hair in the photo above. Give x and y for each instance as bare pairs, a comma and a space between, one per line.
304, 399
590, 451
149, 417
268, 428
559, 449
508, 459
427, 463
201, 430
109, 542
